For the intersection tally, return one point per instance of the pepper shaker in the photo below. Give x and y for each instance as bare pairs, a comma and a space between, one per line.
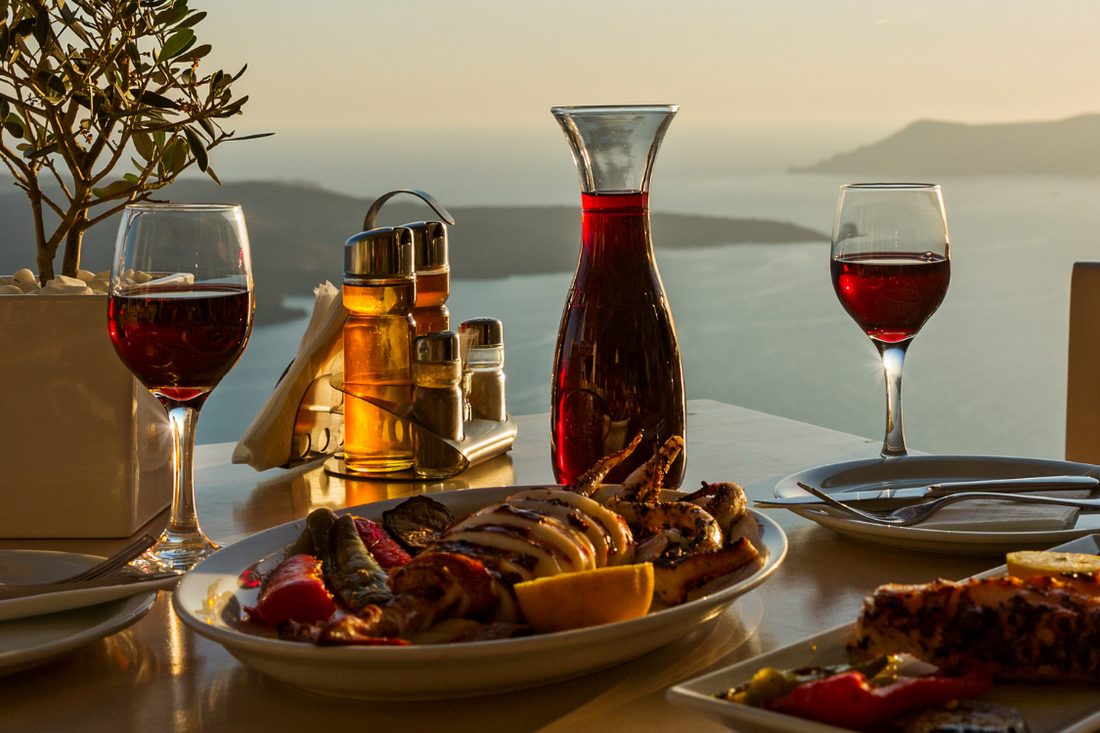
437, 403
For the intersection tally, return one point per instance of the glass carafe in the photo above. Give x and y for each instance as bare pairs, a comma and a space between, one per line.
617, 367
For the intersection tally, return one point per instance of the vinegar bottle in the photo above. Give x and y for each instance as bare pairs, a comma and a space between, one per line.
379, 293
617, 367
433, 276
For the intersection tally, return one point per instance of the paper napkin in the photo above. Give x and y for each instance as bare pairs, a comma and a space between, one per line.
1006, 516
267, 441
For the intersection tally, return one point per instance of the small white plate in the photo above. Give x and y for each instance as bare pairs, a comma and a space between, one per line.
28, 642
839, 479
210, 598
1047, 708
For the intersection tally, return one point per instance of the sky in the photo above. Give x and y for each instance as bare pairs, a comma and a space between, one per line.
361, 93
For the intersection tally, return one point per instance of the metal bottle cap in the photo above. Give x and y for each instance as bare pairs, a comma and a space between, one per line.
382, 253
436, 348
429, 244
487, 331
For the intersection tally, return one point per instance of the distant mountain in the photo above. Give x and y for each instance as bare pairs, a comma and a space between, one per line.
297, 232
928, 147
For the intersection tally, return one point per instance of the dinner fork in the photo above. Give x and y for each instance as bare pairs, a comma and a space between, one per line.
115, 561
916, 513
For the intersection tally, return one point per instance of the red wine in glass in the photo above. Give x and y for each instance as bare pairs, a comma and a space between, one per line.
179, 316
180, 340
891, 294
890, 266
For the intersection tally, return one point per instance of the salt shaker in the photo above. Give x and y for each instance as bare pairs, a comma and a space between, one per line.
486, 368
437, 403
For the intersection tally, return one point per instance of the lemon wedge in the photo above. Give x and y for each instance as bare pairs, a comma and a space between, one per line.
588, 598
1051, 564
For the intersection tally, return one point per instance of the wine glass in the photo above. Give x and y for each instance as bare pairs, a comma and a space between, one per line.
891, 263
180, 315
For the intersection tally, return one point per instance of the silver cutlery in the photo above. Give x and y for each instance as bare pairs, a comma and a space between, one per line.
916, 513
946, 488
114, 562
9, 592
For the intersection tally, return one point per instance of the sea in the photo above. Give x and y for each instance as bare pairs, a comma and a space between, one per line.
759, 325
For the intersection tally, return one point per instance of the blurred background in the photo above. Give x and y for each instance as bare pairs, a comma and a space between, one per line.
781, 102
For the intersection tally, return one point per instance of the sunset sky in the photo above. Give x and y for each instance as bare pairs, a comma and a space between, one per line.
762, 85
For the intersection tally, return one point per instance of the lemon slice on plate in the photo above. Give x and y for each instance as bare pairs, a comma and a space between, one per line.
588, 598
1051, 564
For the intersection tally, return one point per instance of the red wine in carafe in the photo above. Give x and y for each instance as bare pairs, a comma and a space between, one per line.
891, 294
617, 364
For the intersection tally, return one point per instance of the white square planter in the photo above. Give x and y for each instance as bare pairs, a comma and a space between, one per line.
85, 449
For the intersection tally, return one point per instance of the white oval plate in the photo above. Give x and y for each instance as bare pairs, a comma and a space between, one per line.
28, 642
1052, 707
209, 601
839, 479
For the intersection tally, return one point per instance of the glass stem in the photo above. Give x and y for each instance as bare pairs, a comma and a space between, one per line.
893, 359
184, 522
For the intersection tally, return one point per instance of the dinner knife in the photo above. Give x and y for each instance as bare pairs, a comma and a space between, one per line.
906, 495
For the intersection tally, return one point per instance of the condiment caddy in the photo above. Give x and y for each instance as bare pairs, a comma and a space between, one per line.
415, 400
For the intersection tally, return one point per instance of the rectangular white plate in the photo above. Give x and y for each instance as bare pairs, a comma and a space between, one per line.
1047, 708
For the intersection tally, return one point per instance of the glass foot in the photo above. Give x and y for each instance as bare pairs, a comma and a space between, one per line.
176, 553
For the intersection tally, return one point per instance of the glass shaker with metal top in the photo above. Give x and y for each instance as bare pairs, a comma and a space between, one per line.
379, 293
484, 368
433, 271
437, 403
433, 276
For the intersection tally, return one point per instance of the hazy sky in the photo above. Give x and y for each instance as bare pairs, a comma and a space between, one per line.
785, 81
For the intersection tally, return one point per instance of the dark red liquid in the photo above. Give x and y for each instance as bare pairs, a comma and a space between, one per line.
891, 295
181, 340
617, 365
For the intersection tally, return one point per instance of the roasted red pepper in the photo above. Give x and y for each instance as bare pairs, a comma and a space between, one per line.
848, 700
386, 552
294, 591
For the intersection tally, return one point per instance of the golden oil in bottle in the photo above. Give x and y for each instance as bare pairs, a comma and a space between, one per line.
379, 294
433, 276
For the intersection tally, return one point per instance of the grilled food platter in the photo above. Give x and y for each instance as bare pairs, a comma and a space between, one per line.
211, 600
1051, 707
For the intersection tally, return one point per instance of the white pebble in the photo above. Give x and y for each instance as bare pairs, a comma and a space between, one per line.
10, 290
31, 287
105, 275
24, 276
6, 281
63, 285
141, 277
85, 275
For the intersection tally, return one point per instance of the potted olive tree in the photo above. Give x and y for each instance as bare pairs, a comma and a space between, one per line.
102, 103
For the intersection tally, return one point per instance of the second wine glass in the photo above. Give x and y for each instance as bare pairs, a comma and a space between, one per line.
180, 315
891, 264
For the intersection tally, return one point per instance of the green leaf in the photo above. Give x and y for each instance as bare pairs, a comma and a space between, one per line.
257, 136
209, 127
42, 27
130, 178
156, 100
213, 176
5, 40
195, 53
14, 125
169, 16
197, 149
113, 190
193, 21
44, 150
144, 145
176, 43
5, 108
240, 73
